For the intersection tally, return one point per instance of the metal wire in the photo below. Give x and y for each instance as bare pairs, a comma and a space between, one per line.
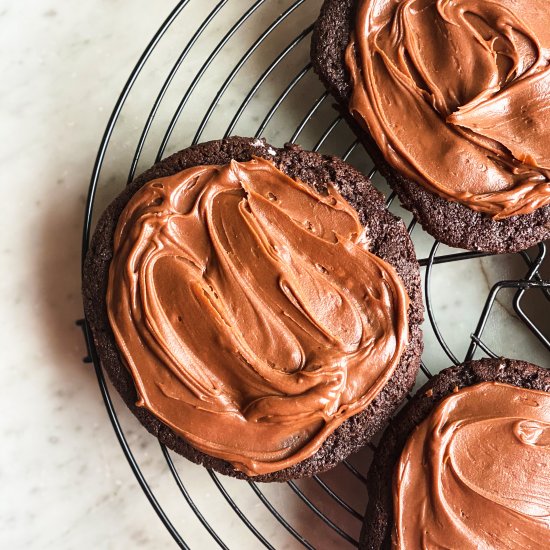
279, 517
238, 24
264, 77
280, 99
308, 117
124, 443
341, 502
429, 307
320, 514
355, 472
238, 511
532, 281
198, 33
241, 63
188, 498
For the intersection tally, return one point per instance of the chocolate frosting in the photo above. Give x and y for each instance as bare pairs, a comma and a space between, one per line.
476, 472
456, 95
250, 313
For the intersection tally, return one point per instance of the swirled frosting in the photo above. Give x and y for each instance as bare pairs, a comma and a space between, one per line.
250, 313
456, 95
476, 473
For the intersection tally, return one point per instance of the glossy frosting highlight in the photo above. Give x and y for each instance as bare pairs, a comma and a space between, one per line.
476, 473
456, 95
250, 313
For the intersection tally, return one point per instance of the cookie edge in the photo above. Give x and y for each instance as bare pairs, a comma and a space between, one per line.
361, 426
378, 522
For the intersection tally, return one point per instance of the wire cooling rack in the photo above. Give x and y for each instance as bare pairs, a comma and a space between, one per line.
230, 67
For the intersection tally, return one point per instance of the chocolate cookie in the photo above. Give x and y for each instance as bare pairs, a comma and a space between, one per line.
379, 518
384, 234
449, 221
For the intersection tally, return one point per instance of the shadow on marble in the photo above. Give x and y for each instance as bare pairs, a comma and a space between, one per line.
58, 262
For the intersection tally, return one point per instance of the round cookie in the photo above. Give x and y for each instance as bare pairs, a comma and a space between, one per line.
378, 522
449, 222
388, 239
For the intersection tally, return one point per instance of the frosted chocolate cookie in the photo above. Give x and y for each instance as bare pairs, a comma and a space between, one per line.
466, 463
257, 308
452, 101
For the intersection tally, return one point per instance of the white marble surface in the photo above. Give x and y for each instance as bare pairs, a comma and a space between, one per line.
64, 481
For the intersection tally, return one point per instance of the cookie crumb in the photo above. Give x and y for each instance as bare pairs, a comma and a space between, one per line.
455, 389
429, 393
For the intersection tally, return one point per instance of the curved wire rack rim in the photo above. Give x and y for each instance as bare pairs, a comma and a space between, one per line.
532, 281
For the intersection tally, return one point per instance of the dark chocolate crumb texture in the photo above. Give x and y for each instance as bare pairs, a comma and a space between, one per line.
490, 419
453, 109
257, 308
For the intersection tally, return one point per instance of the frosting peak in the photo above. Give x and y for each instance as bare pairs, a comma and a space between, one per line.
456, 95
476, 473
250, 313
